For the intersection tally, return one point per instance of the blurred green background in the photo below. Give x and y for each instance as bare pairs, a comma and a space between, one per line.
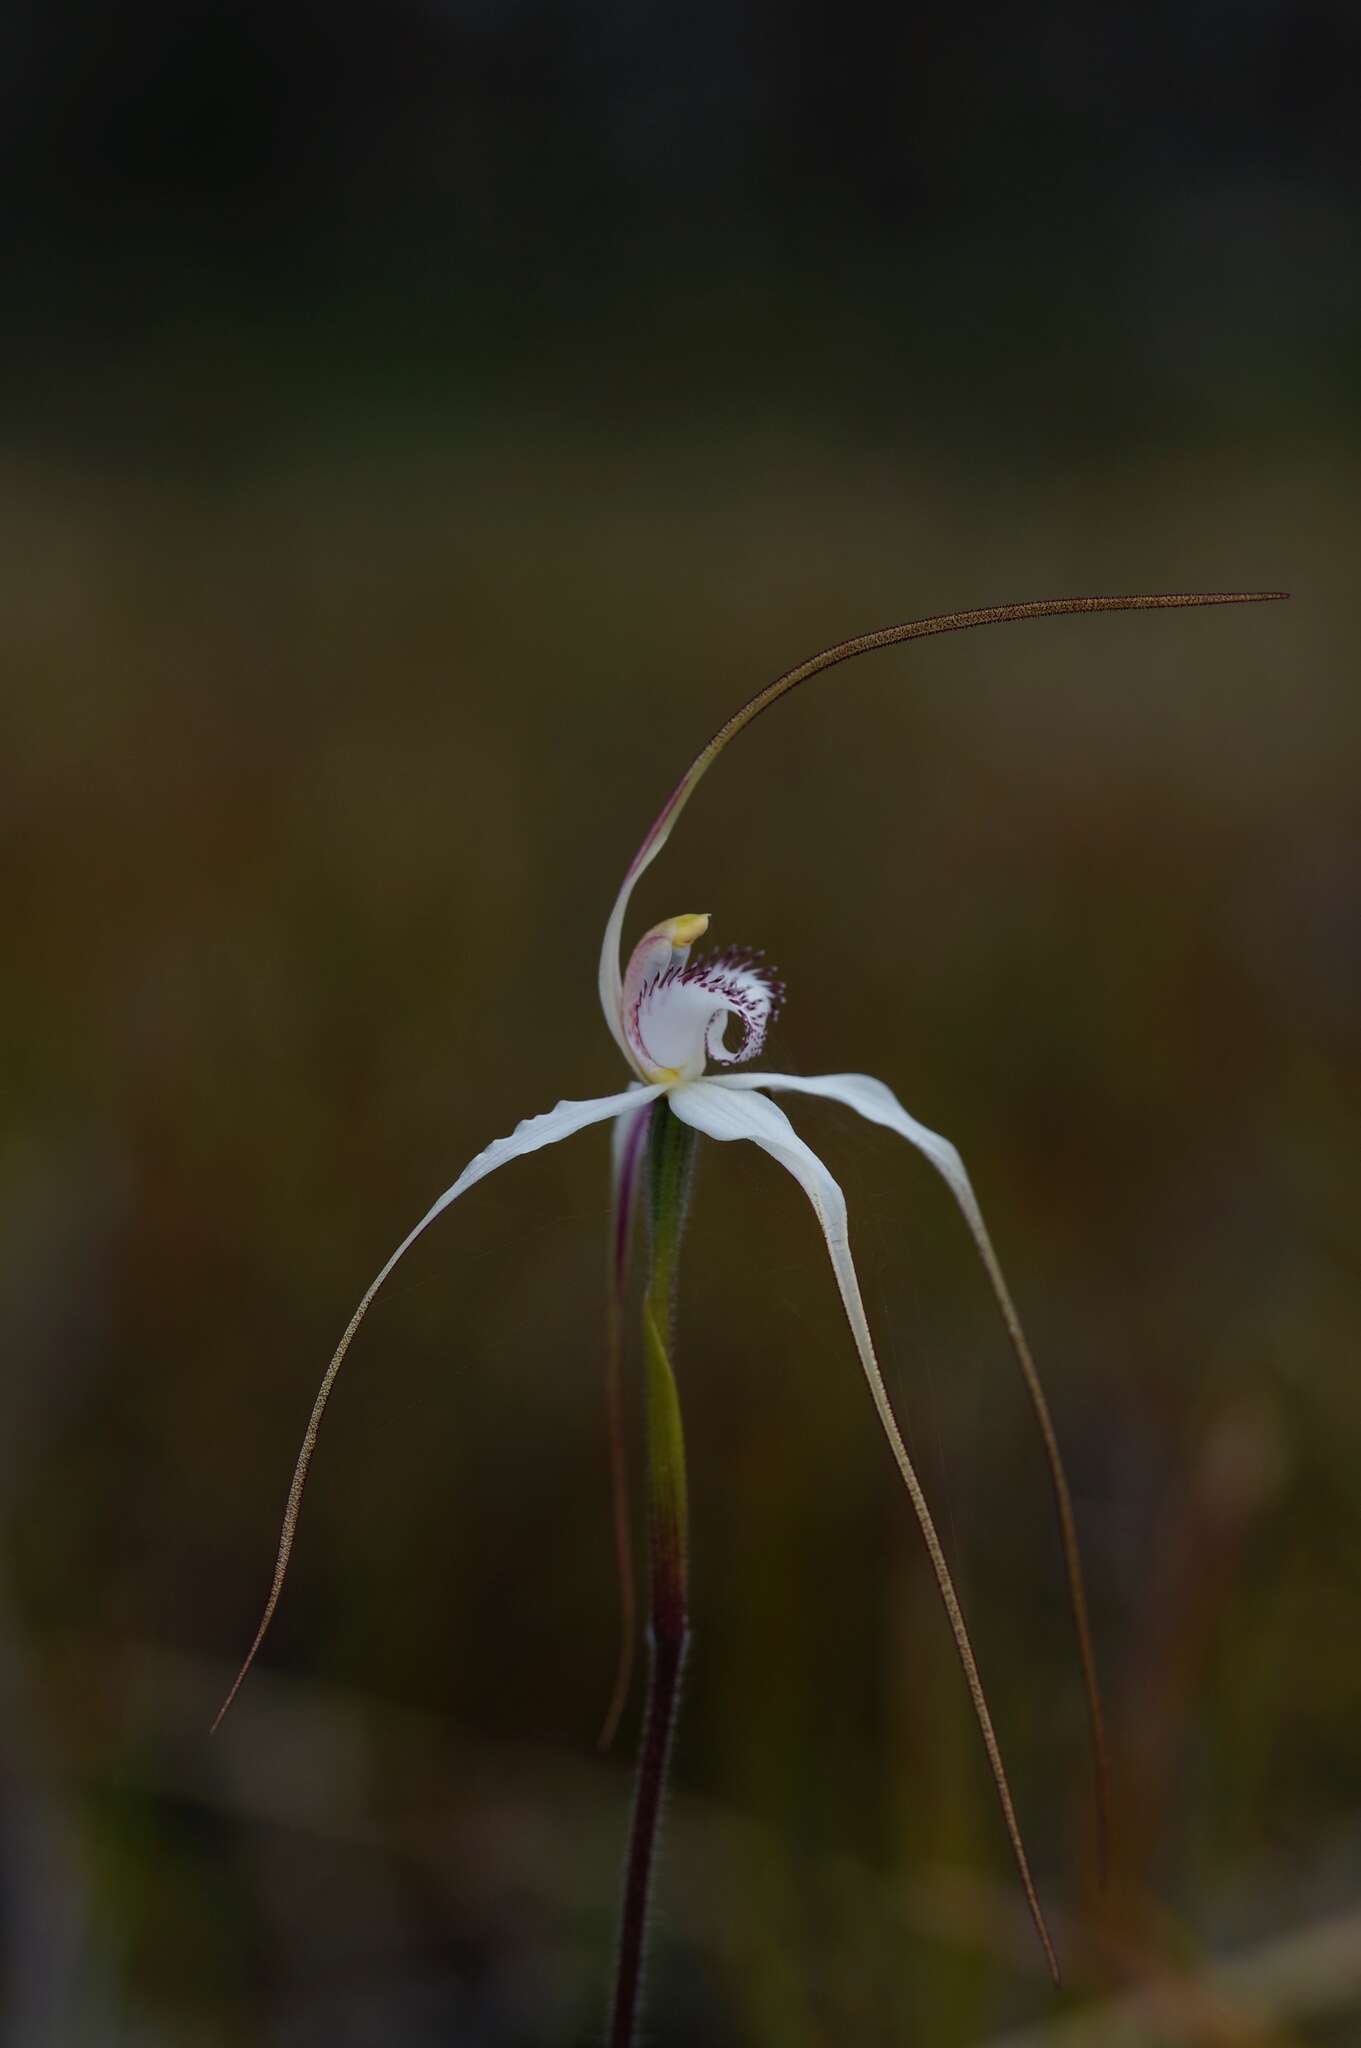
422, 426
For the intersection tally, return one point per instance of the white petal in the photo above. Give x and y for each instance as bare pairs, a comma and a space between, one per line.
529, 1136
721, 1111
872, 1099
726, 1111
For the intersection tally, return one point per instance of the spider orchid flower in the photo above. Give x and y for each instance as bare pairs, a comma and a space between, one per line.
688, 1025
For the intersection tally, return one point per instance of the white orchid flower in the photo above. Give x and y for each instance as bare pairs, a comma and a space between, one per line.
688, 1026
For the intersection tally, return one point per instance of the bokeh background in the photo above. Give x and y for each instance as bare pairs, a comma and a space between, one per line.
422, 424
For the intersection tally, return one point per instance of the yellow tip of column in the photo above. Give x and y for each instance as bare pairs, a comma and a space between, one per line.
683, 931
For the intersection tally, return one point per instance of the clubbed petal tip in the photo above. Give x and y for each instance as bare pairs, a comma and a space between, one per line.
677, 1013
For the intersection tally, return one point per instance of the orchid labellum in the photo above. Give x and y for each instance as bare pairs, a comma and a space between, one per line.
688, 1025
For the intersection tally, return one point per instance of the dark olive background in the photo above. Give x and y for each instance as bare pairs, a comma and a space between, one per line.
423, 424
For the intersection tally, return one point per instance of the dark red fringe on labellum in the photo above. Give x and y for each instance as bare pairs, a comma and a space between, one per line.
739, 984
749, 991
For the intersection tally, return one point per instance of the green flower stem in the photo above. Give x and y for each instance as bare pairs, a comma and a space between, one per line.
671, 1147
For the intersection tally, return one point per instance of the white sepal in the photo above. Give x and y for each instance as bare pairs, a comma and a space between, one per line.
529, 1136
